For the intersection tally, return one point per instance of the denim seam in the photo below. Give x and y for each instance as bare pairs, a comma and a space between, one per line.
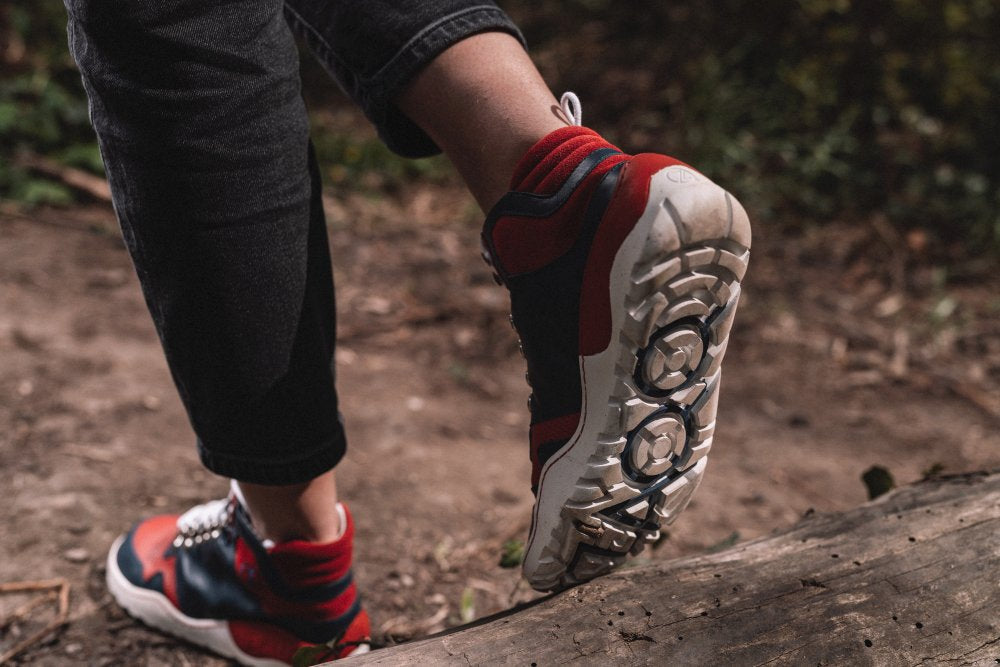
380, 86
432, 36
328, 52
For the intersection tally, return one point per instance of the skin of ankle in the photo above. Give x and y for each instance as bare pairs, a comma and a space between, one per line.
295, 512
485, 104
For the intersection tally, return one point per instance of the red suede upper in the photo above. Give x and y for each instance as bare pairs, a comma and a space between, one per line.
619, 219
302, 565
263, 640
525, 244
305, 564
550, 161
151, 541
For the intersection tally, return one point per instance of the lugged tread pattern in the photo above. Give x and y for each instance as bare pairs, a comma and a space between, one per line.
611, 514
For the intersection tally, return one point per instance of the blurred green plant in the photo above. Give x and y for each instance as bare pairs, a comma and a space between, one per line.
42, 107
354, 159
808, 109
467, 605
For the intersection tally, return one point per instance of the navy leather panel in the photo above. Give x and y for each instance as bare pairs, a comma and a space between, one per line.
324, 632
207, 586
131, 567
542, 205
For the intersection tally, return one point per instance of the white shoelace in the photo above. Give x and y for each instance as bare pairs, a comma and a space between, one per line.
571, 107
204, 518
207, 519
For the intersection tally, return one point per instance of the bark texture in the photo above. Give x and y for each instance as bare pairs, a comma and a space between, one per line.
912, 578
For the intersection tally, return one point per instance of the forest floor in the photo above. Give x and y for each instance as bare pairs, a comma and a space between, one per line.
850, 350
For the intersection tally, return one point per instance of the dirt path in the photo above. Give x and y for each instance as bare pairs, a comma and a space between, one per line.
822, 382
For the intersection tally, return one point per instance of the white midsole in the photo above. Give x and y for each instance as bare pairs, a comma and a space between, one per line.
552, 528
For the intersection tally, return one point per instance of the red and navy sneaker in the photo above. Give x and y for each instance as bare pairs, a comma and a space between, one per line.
624, 275
207, 578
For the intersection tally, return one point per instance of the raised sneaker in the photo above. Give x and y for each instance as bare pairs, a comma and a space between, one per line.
624, 276
206, 577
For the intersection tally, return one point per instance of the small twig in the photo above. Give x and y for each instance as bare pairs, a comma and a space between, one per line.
400, 625
62, 613
962, 389
100, 455
513, 593
415, 319
897, 249
979, 398
25, 608
30, 586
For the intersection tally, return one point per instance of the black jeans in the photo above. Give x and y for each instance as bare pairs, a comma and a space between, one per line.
204, 134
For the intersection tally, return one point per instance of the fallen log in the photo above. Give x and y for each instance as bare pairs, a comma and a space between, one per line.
910, 578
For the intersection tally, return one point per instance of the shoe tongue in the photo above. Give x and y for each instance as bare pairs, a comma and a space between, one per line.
550, 161
241, 502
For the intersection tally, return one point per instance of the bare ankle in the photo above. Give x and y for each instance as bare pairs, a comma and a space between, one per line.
484, 104
306, 511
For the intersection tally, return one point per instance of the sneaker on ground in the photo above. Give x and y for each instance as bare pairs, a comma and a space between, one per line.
624, 275
206, 577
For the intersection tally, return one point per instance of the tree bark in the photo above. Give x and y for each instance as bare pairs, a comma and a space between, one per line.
912, 578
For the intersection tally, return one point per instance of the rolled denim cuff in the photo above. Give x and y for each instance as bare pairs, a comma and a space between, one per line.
307, 465
375, 94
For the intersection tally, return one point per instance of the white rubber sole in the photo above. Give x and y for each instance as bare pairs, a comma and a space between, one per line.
156, 611
649, 400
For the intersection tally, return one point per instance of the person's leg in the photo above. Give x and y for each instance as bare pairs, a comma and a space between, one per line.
205, 138
624, 271
484, 104
624, 275
206, 144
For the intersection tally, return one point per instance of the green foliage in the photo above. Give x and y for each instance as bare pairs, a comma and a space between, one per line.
42, 107
467, 606
808, 109
933, 470
306, 656
358, 160
724, 543
511, 553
